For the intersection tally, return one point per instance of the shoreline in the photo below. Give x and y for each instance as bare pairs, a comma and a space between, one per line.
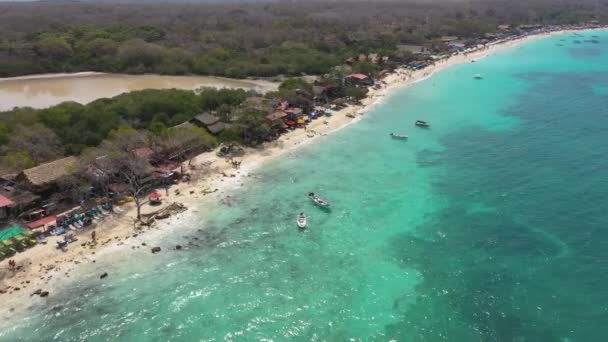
116, 231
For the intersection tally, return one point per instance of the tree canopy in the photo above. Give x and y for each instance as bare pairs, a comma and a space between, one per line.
248, 39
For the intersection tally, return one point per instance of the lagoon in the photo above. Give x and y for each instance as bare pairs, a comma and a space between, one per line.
41, 91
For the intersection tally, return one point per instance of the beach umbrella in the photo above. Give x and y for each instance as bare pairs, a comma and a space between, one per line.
154, 196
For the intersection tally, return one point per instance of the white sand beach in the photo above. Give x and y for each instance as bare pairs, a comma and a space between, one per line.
212, 178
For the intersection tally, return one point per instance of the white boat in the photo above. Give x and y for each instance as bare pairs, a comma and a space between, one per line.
301, 220
318, 200
398, 136
478, 77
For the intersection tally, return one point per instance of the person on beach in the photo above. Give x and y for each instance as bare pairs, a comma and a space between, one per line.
94, 236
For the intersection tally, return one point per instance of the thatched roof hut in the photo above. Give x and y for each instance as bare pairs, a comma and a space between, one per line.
205, 119
216, 127
42, 177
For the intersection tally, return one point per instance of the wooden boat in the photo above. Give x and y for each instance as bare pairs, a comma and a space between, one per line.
301, 221
318, 200
421, 123
398, 136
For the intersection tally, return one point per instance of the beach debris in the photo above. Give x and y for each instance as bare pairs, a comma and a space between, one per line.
156, 250
103, 275
178, 247
44, 293
162, 216
36, 293
171, 209
230, 150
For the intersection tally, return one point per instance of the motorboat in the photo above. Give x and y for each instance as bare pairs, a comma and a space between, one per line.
318, 200
421, 123
398, 136
478, 77
301, 221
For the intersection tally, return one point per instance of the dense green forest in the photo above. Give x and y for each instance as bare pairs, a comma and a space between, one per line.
243, 40
32, 136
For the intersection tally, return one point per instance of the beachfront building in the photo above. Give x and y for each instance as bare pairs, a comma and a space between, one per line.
44, 178
19, 198
211, 122
5, 205
457, 45
417, 50
359, 80
259, 104
277, 119
321, 93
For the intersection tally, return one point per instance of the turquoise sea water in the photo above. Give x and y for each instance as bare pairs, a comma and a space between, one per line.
490, 226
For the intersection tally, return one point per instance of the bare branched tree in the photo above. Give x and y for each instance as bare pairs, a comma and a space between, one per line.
116, 162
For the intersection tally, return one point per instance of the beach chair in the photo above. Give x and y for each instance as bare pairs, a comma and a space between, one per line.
87, 221
8, 248
24, 241
19, 244
58, 231
8, 252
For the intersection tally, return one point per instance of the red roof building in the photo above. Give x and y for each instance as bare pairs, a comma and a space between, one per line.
5, 202
357, 76
295, 111
43, 222
276, 117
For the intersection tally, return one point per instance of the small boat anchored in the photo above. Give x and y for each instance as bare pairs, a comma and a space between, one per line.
318, 200
398, 136
301, 221
478, 77
423, 124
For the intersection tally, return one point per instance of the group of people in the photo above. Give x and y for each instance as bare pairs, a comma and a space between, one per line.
12, 265
235, 164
